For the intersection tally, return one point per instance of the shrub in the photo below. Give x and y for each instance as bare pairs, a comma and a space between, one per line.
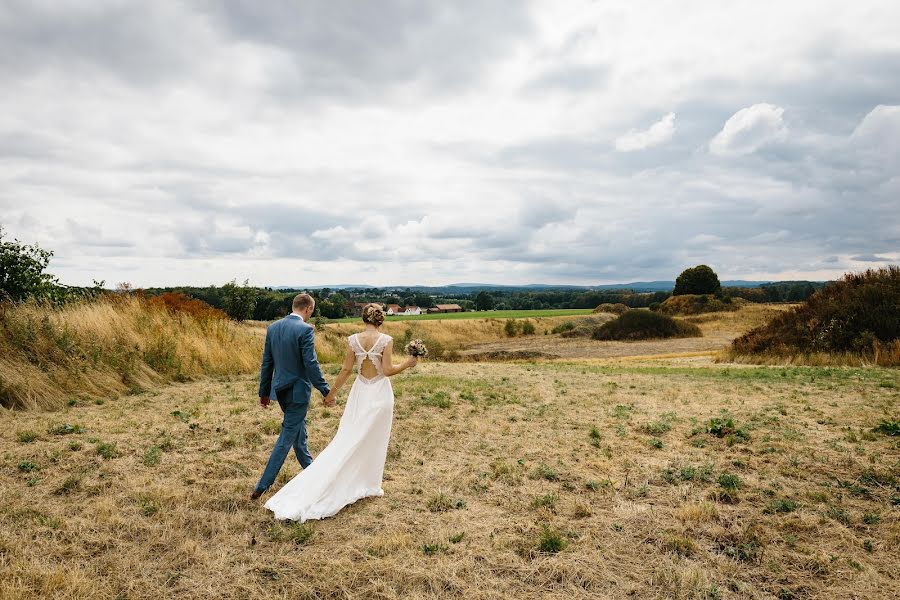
697, 280
643, 324
510, 328
527, 328
562, 327
585, 327
857, 315
616, 309
693, 304
107, 450
178, 303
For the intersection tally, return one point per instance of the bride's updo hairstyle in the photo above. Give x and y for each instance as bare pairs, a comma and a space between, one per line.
373, 314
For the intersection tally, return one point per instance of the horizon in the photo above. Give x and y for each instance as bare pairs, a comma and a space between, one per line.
171, 143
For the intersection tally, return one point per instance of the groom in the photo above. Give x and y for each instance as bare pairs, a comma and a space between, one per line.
289, 351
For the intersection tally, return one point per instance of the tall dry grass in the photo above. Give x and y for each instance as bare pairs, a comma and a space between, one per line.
106, 347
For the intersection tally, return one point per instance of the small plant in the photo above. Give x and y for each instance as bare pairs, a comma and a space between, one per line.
69, 485
107, 450
527, 328
784, 505
545, 501
437, 399
300, 533
455, 539
681, 545
75, 446
550, 541
656, 443
871, 519
595, 437
152, 456
271, 427
543, 471
729, 481
26, 466
66, 429
432, 549
888, 427
656, 427
440, 503
26, 437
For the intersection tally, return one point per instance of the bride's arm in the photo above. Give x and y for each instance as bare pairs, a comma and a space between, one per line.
346, 369
388, 365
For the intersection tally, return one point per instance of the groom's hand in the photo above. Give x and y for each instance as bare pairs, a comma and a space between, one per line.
265, 401
329, 400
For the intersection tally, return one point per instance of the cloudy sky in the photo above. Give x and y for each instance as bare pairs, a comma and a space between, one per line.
404, 142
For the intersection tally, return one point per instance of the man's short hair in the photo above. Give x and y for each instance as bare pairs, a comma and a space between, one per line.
302, 302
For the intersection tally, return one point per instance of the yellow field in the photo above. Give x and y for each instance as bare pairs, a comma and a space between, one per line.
566, 478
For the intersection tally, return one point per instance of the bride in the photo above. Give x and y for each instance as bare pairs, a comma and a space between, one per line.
352, 465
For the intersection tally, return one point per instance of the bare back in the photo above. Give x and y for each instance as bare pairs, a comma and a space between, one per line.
368, 348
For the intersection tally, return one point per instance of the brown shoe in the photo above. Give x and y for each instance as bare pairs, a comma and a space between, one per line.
255, 495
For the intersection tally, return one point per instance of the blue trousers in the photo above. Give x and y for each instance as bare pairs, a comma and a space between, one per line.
293, 435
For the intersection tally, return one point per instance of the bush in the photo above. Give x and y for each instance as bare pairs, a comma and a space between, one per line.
527, 328
693, 304
697, 280
177, 303
616, 309
510, 328
642, 325
858, 315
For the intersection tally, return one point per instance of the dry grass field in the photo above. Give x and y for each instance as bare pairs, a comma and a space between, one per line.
630, 477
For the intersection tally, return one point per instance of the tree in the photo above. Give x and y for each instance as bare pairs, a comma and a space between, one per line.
484, 301
697, 280
239, 301
424, 301
22, 273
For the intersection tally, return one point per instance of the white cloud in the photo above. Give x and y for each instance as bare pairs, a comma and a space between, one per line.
658, 133
749, 129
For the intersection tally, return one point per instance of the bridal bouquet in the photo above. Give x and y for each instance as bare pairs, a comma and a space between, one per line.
416, 348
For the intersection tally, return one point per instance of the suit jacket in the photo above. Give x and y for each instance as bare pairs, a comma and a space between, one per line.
289, 359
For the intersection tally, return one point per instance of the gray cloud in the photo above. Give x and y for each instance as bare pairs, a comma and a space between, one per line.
430, 142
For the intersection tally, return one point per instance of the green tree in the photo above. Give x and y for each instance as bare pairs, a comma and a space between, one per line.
484, 301
697, 280
239, 301
22, 269
424, 301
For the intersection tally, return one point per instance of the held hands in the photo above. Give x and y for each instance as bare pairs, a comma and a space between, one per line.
330, 400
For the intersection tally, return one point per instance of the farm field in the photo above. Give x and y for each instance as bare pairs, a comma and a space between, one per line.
627, 477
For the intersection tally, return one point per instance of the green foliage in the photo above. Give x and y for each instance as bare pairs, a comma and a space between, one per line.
566, 326
644, 324
510, 328
527, 328
550, 541
781, 506
26, 437
65, 429
888, 427
26, 466
239, 301
484, 301
152, 456
729, 481
697, 280
107, 450
22, 273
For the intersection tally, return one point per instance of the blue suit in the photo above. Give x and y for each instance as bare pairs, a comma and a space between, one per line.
290, 369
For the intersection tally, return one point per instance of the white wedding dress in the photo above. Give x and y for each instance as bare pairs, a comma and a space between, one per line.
352, 465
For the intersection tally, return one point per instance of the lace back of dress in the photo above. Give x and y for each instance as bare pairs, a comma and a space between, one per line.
374, 355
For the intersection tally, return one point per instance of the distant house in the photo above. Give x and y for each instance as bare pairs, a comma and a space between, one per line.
412, 310
394, 309
446, 308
